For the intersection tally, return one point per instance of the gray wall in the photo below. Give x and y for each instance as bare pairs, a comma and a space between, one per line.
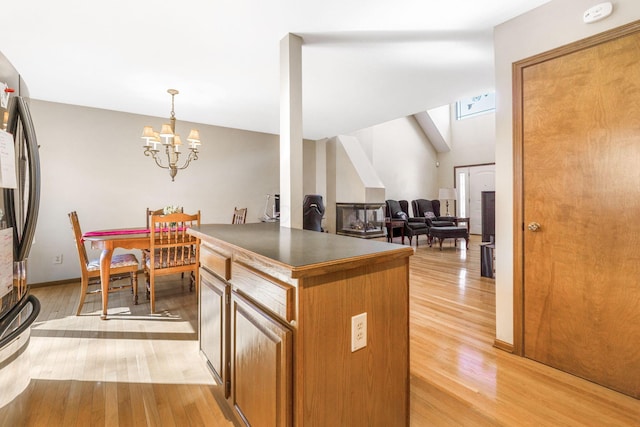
92, 162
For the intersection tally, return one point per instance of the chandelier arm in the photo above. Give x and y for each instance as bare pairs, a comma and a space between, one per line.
154, 155
159, 163
193, 155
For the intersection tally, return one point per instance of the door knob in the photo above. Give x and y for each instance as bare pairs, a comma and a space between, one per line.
533, 226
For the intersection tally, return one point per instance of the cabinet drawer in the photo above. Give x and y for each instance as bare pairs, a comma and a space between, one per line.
274, 295
215, 262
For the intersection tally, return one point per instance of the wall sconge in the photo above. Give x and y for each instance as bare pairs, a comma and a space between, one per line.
447, 194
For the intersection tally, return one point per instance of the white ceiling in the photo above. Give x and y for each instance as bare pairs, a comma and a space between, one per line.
364, 61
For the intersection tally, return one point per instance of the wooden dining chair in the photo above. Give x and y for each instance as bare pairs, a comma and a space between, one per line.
239, 216
172, 250
123, 266
145, 252
153, 212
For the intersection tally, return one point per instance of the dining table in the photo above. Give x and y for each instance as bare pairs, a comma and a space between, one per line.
107, 241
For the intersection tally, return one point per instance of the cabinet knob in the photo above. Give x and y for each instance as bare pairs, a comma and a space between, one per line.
533, 226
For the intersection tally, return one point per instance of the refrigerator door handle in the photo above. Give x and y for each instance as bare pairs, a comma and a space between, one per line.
19, 109
6, 335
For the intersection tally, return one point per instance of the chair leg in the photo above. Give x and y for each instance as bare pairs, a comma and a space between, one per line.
84, 285
152, 297
147, 282
134, 286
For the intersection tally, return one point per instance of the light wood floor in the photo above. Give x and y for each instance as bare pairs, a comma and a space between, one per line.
137, 369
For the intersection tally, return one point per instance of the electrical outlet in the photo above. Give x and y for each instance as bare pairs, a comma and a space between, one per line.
358, 331
57, 259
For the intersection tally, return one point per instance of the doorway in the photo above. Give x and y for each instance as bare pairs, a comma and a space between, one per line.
471, 181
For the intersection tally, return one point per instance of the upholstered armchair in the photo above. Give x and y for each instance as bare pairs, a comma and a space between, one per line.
412, 226
430, 211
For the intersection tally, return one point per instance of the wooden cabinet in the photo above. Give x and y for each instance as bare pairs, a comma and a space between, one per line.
245, 340
286, 332
261, 366
214, 325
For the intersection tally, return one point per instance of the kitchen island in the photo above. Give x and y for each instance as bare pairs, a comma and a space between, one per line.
302, 328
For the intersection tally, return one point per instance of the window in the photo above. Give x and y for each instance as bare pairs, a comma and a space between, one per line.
475, 105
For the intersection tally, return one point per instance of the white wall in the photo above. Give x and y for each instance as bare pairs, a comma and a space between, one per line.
92, 162
309, 178
550, 26
473, 142
403, 157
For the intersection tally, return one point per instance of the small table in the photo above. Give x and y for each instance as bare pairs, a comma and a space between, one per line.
108, 240
392, 224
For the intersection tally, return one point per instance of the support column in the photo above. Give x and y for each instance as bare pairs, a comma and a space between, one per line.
291, 131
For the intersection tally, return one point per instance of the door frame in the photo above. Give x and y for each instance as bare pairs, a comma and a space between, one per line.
455, 184
518, 160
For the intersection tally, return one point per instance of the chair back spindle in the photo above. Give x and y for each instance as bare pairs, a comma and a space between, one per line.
239, 216
172, 249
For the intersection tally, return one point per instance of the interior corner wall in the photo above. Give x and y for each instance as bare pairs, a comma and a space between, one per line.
550, 26
92, 162
331, 182
403, 157
473, 142
309, 175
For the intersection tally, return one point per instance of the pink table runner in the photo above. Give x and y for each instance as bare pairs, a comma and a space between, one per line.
115, 232
124, 231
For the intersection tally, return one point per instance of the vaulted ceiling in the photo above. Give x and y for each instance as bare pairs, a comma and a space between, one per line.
364, 61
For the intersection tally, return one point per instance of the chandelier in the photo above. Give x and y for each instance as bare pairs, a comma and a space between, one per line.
172, 143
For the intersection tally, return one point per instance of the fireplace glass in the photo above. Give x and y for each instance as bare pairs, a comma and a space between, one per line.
364, 220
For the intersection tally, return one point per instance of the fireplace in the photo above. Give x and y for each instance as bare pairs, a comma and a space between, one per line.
365, 220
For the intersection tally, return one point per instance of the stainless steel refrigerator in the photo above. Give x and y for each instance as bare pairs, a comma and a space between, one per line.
19, 204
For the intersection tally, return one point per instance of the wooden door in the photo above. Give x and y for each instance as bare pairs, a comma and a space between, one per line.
581, 183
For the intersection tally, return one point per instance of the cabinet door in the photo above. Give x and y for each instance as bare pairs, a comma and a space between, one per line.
261, 366
214, 309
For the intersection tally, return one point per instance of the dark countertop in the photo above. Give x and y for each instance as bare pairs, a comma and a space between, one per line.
297, 248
